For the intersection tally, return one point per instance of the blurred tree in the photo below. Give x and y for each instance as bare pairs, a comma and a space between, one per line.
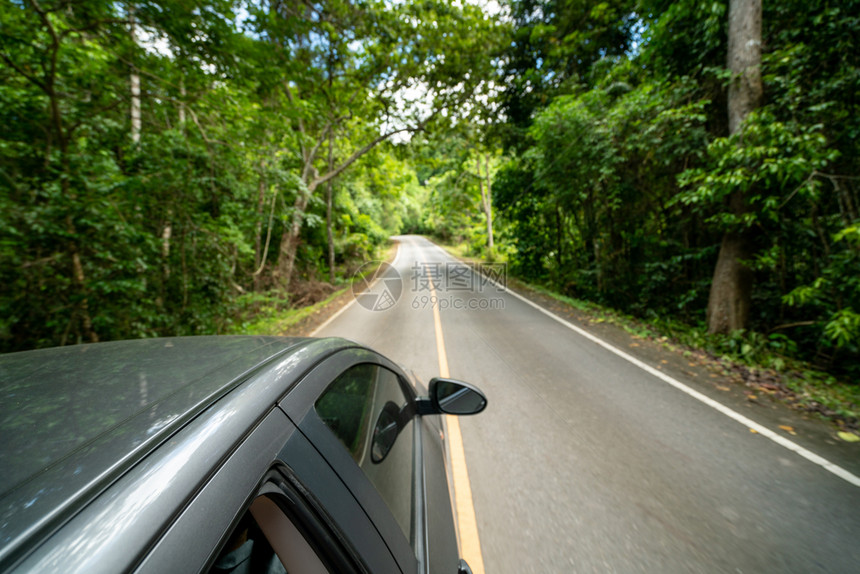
731, 288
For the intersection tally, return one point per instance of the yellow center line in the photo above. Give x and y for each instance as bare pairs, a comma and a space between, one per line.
467, 525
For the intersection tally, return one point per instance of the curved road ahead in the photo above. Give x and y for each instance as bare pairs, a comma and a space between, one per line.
586, 462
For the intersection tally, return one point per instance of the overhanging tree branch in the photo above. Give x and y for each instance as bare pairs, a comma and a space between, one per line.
32, 79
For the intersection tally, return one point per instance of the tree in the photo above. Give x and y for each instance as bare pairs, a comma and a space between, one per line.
629, 176
731, 288
364, 73
459, 166
554, 46
485, 187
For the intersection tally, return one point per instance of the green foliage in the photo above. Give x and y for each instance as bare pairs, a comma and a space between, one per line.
594, 218
554, 47
766, 160
684, 37
622, 179
615, 186
104, 236
522, 206
270, 313
456, 167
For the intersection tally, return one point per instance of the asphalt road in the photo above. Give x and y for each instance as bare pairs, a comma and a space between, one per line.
585, 462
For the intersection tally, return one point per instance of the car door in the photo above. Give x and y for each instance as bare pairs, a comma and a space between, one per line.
274, 502
358, 411
443, 552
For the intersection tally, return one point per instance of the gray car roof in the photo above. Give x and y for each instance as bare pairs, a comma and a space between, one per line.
74, 419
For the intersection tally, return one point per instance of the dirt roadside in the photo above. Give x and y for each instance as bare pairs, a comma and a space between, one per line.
306, 326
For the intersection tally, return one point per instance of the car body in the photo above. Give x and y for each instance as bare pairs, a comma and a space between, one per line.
170, 455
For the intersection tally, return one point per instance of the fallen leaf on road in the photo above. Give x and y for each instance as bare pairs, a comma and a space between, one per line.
721, 388
848, 436
634, 344
664, 361
753, 431
787, 429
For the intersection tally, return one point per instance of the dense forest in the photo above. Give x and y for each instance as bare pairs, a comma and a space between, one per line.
165, 164
651, 188
164, 161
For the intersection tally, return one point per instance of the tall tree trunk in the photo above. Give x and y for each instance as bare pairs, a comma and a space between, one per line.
290, 239
258, 232
329, 192
731, 288
559, 244
63, 140
328, 209
166, 232
744, 60
729, 301
135, 82
486, 197
83, 306
182, 95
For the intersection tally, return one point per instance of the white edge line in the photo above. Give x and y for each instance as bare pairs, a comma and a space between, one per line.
348, 305
762, 430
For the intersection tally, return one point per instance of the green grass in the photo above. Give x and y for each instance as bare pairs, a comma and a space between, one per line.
274, 320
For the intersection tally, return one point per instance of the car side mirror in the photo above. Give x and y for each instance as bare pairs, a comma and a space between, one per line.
454, 397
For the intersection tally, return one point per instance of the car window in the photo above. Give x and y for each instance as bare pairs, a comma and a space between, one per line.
266, 541
247, 551
367, 409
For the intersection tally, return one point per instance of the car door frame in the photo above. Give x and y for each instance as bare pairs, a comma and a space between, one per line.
273, 448
299, 406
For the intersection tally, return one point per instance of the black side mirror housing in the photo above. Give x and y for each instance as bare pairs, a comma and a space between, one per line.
452, 397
